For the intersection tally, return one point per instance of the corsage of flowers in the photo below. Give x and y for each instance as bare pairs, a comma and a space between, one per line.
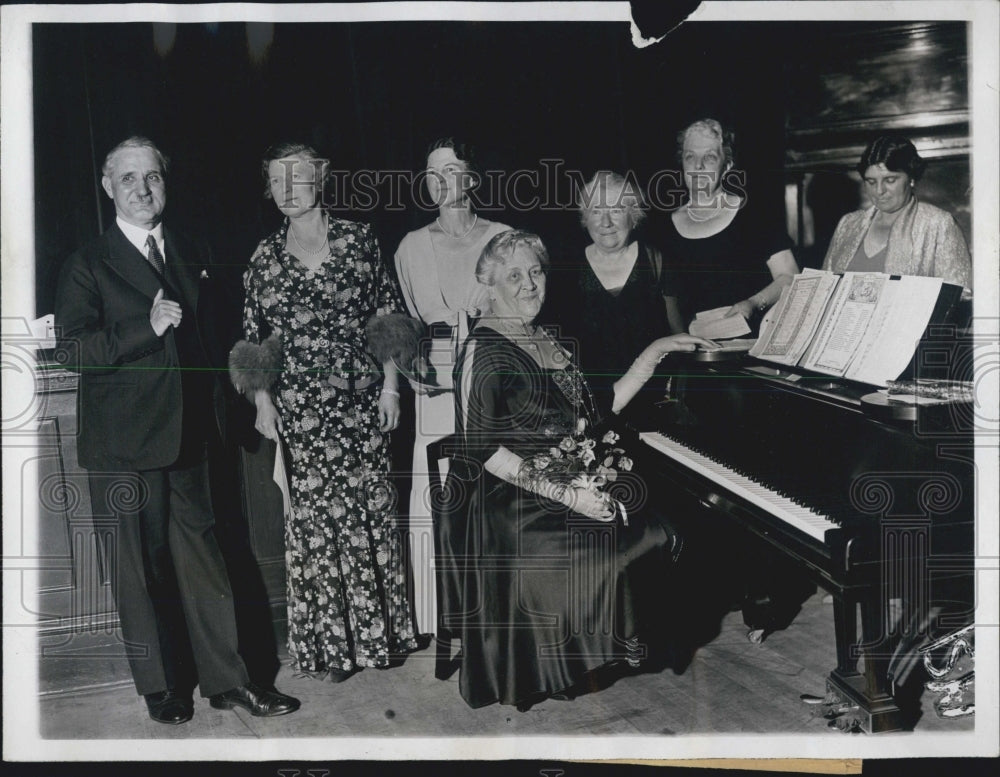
582, 462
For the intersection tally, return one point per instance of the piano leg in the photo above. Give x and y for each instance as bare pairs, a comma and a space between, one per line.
845, 624
864, 699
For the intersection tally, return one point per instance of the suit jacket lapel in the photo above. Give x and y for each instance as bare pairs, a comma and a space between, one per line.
182, 274
125, 259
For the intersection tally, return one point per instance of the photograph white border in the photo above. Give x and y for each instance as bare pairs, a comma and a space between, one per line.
21, 738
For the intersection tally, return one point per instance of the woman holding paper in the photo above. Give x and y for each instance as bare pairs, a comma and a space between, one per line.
722, 252
311, 289
613, 303
898, 234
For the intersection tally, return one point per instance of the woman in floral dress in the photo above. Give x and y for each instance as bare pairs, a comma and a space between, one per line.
311, 288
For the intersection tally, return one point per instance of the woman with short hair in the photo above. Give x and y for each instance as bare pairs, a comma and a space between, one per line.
558, 581
312, 288
897, 233
613, 302
436, 266
723, 250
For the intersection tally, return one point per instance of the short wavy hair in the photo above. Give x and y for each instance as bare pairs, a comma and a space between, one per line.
289, 148
135, 141
629, 196
464, 152
897, 153
501, 247
713, 128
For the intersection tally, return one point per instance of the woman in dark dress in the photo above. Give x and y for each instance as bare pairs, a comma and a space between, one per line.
613, 302
721, 250
558, 575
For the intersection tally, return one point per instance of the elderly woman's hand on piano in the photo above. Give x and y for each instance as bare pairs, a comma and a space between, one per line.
681, 342
644, 366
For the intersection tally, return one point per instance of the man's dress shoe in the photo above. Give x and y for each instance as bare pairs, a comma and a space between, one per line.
258, 701
169, 707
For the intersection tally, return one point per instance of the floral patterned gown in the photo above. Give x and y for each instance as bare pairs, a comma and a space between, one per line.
346, 581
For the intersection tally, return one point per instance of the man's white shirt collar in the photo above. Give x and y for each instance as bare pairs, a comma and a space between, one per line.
137, 236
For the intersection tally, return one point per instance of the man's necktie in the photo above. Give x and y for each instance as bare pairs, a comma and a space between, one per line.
153, 255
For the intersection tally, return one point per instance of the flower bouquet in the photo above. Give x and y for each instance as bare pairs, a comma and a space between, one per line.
582, 462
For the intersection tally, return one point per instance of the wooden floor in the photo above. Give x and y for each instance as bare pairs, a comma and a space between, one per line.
730, 686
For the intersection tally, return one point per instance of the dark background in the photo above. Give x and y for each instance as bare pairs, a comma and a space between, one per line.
373, 95
803, 98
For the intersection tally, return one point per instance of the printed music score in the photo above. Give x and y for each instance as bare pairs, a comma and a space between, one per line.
860, 326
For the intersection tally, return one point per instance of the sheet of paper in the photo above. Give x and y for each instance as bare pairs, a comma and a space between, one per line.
850, 310
714, 325
280, 477
793, 321
895, 330
711, 315
740, 344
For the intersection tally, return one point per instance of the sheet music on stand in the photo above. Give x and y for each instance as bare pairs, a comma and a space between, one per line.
860, 326
789, 326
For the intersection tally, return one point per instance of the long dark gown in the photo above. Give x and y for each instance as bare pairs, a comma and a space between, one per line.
549, 594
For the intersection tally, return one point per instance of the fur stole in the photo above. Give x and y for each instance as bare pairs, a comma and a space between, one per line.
395, 336
254, 367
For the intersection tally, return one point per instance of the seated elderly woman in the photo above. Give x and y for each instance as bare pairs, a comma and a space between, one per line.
898, 234
722, 248
561, 577
613, 303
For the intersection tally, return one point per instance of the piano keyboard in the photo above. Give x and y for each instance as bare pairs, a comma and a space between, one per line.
802, 518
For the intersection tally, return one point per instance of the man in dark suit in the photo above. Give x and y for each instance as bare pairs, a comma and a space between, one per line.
134, 307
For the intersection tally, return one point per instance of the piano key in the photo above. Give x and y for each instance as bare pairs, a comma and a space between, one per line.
804, 519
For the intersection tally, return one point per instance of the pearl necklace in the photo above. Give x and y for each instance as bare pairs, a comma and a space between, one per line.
468, 232
324, 249
702, 219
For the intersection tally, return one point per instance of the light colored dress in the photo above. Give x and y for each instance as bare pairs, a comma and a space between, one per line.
923, 240
436, 289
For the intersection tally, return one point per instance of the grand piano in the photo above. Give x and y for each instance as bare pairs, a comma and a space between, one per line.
873, 500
